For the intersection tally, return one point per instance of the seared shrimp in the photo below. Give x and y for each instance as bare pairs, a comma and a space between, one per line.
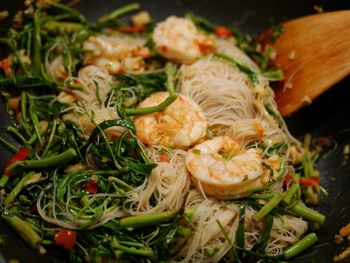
117, 54
180, 125
178, 39
219, 167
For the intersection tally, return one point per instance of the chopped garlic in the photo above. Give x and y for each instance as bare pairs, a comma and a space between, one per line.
13, 103
74, 167
318, 9
42, 250
141, 18
18, 19
4, 14
296, 153
342, 255
338, 239
273, 54
306, 100
37, 177
292, 55
105, 159
24, 58
65, 97
28, 2
43, 126
344, 231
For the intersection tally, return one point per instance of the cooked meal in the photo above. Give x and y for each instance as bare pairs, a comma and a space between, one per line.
151, 141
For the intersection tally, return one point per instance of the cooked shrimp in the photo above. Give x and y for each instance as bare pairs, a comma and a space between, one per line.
180, 125
117, 53
178, 39
219, 167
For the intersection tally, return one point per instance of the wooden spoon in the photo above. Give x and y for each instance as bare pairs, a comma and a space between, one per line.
314, 52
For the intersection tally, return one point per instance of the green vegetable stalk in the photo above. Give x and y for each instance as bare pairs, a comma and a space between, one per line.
251, 74
61, 27
46, 162
307, 213
262, 196
268, 207
287, 199
141, 251
37, 45
9, 145
24, 230
300, 246
118, 13
52, 133
159, 107
35, 119
170, 71
141, 221
16, 133
18, 188
119, 182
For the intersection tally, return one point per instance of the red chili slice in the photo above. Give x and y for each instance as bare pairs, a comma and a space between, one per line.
288, 179
312, 181
164, 158
91, 187
114, 136
222, 31
66, 238
132, 29
18, 156
33, 209
164, 48
5, 63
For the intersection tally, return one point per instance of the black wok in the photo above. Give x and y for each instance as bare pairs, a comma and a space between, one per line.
329, 115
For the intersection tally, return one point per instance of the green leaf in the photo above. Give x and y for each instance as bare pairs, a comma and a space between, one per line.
264, 238
24, 82
274, 74
240, 231
110, 123
201, 22
231, 61
141, 168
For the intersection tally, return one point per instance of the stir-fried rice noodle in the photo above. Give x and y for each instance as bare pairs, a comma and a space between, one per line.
54, 65
96, 83
95, 103
286, 229
206, 214
167, 184
250, 130
232, 104
223, 92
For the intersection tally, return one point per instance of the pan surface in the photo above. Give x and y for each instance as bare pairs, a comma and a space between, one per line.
328, 116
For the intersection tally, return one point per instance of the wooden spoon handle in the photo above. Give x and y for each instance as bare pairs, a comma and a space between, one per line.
315, 54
